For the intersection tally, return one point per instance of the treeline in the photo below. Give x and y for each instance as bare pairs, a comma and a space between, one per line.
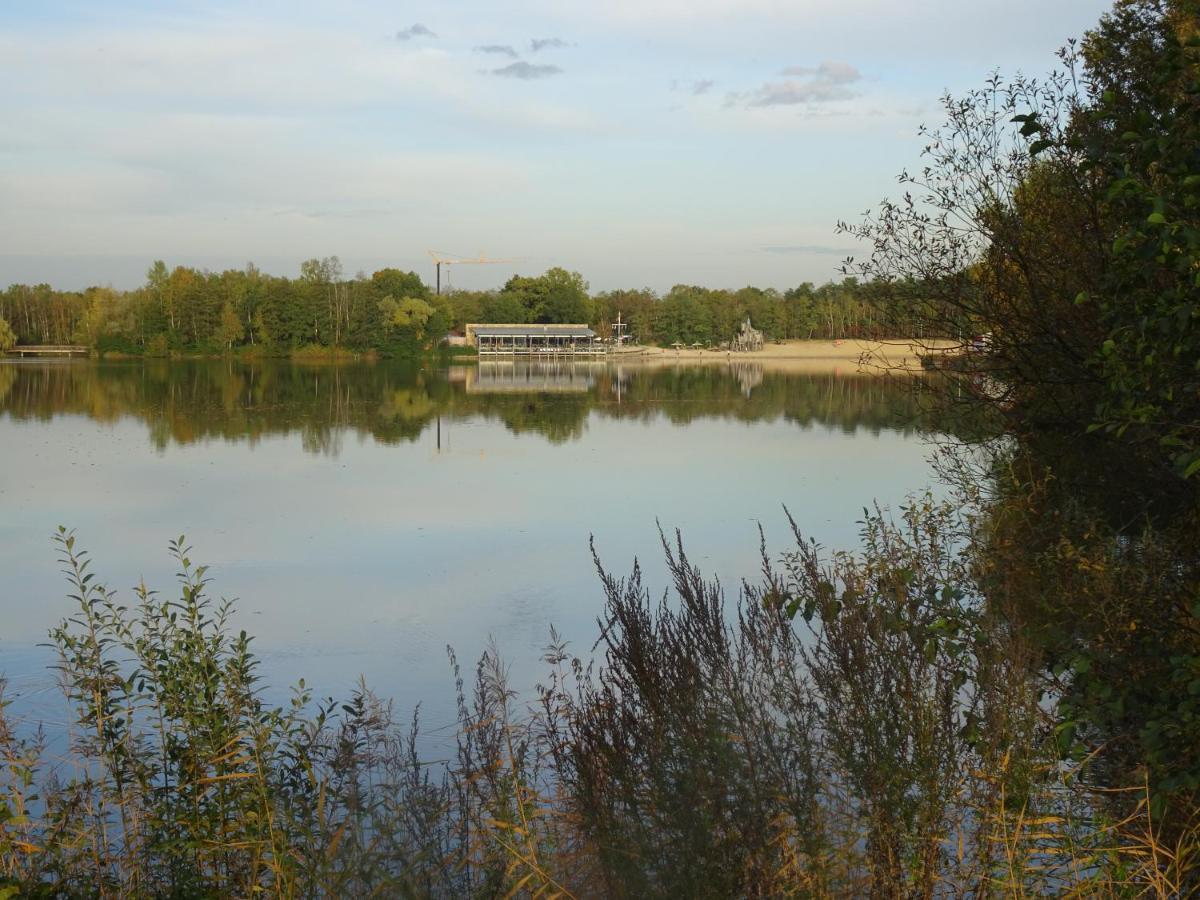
691, 314
188, 310
185, 310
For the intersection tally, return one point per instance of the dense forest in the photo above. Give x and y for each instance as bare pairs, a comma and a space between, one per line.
184, 310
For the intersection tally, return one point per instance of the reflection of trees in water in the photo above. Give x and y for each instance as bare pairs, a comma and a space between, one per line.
185, 402
8, 375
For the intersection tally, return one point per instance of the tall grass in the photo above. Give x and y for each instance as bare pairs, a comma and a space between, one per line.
846, 725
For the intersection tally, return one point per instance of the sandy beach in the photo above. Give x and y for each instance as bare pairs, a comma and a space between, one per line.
848, 356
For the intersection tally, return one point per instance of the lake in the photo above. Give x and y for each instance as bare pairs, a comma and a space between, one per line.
366, 516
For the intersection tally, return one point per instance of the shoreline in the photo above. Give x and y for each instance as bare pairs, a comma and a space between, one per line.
861, 356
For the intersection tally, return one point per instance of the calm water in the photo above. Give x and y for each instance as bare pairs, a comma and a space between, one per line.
367, 516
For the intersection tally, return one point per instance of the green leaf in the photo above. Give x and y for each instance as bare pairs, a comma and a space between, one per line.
1038, 146
1156, 218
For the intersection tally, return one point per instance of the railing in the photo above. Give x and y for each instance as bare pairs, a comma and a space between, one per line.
514, 349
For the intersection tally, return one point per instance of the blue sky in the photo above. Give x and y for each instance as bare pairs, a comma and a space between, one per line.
640, 142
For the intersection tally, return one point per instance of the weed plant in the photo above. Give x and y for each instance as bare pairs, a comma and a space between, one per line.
847, 725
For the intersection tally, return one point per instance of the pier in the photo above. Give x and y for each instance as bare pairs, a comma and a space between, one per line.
49, 350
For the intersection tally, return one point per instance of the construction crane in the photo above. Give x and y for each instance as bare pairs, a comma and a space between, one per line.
448, 259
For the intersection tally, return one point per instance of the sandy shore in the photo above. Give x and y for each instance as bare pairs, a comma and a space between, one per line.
804, 356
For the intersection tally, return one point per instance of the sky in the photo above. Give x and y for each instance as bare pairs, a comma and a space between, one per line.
643, 143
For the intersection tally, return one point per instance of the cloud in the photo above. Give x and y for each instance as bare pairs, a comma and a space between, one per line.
501, 49
695, 88
809, 248
526, 71
412, 31
793, 93
829, 72
826, 83
553, 43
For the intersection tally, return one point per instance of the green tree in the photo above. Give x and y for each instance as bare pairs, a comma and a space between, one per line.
398, 283
1075, 250
1139, 140
231, 330
8, 338
563, 298
556, 296
156, 283
259, 329
505, 306
408, 313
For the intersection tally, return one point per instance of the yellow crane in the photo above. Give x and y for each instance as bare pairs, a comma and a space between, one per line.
449, 259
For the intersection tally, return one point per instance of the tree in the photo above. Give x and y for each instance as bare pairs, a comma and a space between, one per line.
556, 296
156, 283
260, 329
410, 312
505, 306
563, 298
1001, 230
403, 322
800, 311
95, 316
1139, 141
8, 338
231, 329
397, 283
1062, 218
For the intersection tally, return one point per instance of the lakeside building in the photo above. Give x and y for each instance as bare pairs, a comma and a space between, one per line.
532, 339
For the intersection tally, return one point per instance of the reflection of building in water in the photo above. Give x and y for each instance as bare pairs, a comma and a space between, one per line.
533, 339
749, 375
519, 376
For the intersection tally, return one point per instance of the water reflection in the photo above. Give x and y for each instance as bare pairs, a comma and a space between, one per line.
421, 508
184, 402
529, 377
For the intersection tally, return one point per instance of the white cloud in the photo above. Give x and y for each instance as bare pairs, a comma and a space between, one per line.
829, 72
526, 71
826, 83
